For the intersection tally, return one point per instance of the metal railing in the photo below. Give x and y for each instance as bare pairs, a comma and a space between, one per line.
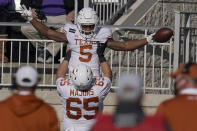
185, 38
153, 62
46, 70
110, 10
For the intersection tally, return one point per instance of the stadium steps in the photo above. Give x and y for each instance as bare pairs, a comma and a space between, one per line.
135, 12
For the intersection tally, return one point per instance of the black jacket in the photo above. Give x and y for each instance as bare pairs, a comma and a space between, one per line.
68, 4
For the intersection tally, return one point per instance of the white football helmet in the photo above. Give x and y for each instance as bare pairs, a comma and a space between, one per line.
87, 16
81, 77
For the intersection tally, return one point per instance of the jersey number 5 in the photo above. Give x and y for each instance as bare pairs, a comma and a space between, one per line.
88, 54
78, 111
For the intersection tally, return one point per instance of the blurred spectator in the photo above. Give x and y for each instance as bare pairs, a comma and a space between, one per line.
129, 115
50, 11
23, 111
180, 111
5, 5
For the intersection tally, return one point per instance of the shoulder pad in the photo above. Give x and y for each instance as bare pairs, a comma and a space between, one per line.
104, 33
69, 27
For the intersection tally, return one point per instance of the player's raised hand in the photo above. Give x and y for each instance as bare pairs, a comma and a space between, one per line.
150, 38
35, 15
27, 13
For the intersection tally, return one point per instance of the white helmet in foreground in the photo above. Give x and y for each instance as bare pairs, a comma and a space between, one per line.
88, 17
81, 77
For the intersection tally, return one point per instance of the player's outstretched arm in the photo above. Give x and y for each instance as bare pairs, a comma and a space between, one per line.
51, 34
106, 70
129, 45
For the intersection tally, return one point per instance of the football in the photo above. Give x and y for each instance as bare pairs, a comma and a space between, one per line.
163, 35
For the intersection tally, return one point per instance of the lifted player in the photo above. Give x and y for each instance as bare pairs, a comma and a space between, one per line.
84, 37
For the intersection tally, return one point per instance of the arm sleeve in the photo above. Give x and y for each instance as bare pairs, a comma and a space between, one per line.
67, 55
59, 90
105, 34
65, 29
107, 86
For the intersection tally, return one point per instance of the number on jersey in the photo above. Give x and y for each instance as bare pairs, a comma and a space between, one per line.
78, 111
64, 82
99, 81
87, 54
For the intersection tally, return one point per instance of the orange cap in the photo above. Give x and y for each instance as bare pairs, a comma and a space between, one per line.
186, 69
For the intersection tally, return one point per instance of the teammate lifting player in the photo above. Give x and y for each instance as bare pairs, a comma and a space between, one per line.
82, 95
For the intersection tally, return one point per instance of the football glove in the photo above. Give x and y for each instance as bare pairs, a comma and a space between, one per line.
150, 38
27, 13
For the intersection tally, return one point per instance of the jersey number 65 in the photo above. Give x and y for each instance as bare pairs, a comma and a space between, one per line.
78, 111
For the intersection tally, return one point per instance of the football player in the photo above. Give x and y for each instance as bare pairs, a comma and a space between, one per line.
83, 38
82, 95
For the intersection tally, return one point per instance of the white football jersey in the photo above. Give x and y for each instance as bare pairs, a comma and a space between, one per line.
80, 107
83, 50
